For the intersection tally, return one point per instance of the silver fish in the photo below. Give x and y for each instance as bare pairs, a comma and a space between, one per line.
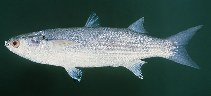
95, 46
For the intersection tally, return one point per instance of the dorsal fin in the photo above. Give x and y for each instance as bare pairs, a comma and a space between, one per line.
138, 26
93, 21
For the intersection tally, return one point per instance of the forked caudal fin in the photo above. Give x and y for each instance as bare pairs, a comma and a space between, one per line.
180, 40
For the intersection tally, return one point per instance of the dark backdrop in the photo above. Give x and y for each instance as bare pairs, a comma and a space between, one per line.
21, 77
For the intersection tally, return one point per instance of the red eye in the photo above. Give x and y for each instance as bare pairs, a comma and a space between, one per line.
15, 43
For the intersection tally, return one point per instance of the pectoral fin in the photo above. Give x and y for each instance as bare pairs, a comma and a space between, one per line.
62, 43
136, 68
75, 73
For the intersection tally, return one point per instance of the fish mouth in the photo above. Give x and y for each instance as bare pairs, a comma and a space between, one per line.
6, 43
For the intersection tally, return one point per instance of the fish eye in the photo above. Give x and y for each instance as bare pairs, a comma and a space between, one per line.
15, 43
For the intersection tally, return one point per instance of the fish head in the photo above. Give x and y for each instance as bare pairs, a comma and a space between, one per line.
25, 44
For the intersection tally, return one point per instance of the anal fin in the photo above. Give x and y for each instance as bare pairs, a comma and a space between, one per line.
136, 68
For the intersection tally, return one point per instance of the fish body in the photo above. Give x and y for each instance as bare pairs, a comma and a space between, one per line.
95, 46
98, 46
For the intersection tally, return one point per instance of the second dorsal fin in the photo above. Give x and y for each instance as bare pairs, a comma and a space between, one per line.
93, 21
138, 26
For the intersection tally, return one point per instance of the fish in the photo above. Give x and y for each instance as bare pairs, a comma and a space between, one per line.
97, 46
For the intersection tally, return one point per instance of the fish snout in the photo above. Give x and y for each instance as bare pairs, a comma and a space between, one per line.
14, 43
6, 43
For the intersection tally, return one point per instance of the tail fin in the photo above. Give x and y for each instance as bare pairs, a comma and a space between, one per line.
180, 40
